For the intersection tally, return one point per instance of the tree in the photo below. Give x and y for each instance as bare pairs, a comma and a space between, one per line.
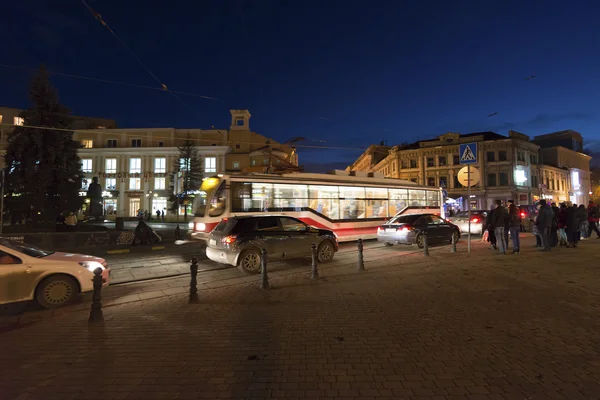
188, 169
43, 171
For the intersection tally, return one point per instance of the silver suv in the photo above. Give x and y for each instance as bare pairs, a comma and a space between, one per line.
238, 241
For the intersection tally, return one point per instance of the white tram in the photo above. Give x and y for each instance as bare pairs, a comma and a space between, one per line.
351, 206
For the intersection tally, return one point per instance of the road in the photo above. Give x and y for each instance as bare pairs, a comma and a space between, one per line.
176, 261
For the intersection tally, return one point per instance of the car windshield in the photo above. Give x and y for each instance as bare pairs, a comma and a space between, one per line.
26, 249
404, 219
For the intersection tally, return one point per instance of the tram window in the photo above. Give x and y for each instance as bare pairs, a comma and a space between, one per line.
433, 198
417, 198
376, 209
218, 202
377, 193
350, 192
352, 209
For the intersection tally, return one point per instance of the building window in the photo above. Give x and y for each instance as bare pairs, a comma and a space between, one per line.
239, 122
414, 180
503, 178
135, 183
0, 118
237, 146
18, 121
135, 165
86, 165
403, 164
236, 165
210, 164
85, 184
534, 181
161, 144
160, 183
430, 162
253, 162
444, 181
111, 143
502, 156
111, 184
265, 161
413, 163
393, 167
184, 164
136, 142
111, 166
532, 159
491, 156
520, 156
87, 144
457, 184
455, 159
431, 181
160, 165
491, 180
442, 161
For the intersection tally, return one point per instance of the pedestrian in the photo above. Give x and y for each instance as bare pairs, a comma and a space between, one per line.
572, 225
507, 224
535, 230
515, 227
554, 226
582, 215
562, 225
593, 216
498, 222
158, 215
544, 223
490, 228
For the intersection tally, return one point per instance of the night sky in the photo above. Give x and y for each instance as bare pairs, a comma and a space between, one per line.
343, 74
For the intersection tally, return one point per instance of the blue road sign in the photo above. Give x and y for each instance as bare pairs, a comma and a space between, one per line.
468, 153
444, 193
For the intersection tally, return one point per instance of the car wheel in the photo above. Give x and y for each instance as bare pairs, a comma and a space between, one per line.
455, 236
56, 291
389, 244
419, 241
249, 262
325, 252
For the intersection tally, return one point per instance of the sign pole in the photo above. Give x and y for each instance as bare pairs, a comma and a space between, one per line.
469, 207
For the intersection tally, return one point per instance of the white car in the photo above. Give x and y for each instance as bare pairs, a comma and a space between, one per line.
51, 278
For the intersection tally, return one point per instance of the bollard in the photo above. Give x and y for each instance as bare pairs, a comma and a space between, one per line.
193, 281
96, 310
314, 272
453, 248
425, 245
264, 281
361, 261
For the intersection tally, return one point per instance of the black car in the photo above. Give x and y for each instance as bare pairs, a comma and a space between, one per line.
238, 241
409, 229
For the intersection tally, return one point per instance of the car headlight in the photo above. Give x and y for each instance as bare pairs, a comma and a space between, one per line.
200, 226
91, 265
191, 225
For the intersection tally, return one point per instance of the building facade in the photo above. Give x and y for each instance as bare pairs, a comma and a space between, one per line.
134, 165
510, 168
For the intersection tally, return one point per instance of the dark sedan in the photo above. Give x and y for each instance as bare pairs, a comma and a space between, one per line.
409, 229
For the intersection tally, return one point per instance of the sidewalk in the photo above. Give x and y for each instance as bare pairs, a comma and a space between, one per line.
447, 327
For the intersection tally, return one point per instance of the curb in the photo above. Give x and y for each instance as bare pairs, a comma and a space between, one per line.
125, 251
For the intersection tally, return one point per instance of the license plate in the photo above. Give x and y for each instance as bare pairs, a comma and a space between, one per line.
212, 242
390, 230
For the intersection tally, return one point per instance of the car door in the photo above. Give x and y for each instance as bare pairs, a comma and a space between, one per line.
269, 234
442, 227
422, 224
16, 282
297, 239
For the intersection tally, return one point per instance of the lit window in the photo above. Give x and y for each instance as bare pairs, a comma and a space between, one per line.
86, 165
253, 162
87, 144
160, 165
210, 164
184, 164
0, 118
236, 165
159, 183
112, 143
136, 142
135, 165
135, 183
100, 127
19, 121
111, 184
111, 165
85, 185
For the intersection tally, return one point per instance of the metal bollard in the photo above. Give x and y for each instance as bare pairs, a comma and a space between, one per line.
96, 310
361, 261
425, 245
314, 272
193, 281
264, 281
453, 248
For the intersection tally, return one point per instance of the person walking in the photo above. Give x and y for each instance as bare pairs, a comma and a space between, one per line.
515, 227
499, 222
554, 226
562, 225
572, 225
583, 225
544, 222
536, 230
593, 216
490, 228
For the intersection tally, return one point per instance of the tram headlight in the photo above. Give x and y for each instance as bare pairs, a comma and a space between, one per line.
200, 226
191, 225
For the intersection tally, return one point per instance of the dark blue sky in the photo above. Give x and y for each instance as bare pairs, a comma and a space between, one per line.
341, 73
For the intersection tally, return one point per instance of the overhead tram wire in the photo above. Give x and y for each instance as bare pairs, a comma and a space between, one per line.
87, 78
137, 136
162, 85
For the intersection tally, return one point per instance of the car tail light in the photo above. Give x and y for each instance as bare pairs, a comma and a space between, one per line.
522, 215
379, 229
475, 220
404, 229
228, 239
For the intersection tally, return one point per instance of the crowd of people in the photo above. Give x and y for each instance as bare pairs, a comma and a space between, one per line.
553, 226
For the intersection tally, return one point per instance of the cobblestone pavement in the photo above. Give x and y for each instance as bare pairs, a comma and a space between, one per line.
445, 327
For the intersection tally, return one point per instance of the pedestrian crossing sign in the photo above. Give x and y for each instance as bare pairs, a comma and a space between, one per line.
468, 153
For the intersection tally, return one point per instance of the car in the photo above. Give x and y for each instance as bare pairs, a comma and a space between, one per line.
409, 229
53, 279
461, 219
238, 241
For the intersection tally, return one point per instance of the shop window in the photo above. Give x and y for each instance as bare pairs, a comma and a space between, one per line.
491, 180
491, 156
502, 156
